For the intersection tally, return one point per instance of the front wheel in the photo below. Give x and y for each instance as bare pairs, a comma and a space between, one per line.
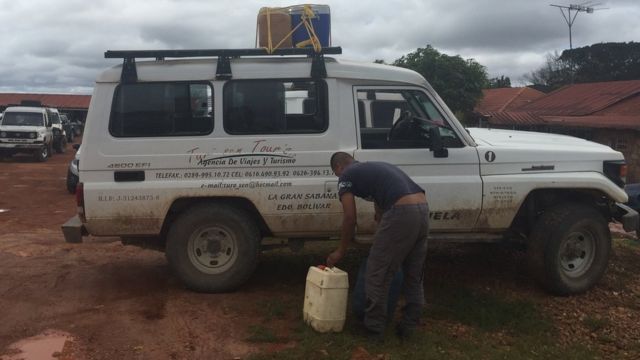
569, 248
213, 247
42, 154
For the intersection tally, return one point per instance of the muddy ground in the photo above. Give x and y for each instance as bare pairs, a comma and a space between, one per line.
121, 302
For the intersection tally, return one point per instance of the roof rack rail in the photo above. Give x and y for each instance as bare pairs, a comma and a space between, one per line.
223, 69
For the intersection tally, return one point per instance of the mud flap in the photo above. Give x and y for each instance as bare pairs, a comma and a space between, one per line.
627, 216
73, 230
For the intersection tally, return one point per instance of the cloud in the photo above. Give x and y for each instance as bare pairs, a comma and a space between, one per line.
58, 45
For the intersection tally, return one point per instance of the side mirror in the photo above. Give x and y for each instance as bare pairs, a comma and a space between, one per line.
436, 144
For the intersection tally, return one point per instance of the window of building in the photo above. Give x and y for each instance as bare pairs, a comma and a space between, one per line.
162, 109
275, 107
391, 119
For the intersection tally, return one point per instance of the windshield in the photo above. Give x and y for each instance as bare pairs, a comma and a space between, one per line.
23, 119
54, 117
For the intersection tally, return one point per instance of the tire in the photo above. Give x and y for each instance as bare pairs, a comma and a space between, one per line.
72, 182
569, 248
61, 145
42, 154
196, 244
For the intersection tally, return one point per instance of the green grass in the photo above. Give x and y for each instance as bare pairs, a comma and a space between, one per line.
486, 312
630, 243
595, 324
274, 308
494, 325
496, 328
261, 334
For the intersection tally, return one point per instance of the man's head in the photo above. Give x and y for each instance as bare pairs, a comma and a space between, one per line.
340, 161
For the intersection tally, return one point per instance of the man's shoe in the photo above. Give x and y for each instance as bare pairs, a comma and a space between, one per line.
404, 332
373, 337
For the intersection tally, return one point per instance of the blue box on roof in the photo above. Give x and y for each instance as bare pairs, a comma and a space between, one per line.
321, 23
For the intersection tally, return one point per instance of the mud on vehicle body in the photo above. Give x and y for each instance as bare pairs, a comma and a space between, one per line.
206, 157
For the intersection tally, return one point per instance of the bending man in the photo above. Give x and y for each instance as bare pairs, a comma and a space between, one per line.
400, 240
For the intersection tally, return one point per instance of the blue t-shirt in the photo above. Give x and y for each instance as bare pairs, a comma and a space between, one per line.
378, 181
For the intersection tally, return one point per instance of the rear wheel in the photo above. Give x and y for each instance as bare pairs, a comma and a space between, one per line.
569, 248
213, 247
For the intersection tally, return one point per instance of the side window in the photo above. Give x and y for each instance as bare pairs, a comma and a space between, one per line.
55, 117
162, 109
400, 119
275, 107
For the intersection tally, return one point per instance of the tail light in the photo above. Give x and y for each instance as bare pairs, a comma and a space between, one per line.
616, 171
80, 200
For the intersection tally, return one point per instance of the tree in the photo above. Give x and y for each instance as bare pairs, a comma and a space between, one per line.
458, 81
499, 82
554, 74
604, 62
595, 63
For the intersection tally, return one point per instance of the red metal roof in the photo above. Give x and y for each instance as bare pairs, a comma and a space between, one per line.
583, 99
505, 99
61, 101
514, 118
608, 121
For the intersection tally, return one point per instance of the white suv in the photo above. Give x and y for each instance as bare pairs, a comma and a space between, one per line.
25, 129
209, 156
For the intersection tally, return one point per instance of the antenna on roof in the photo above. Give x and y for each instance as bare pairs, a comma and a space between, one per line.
587, 7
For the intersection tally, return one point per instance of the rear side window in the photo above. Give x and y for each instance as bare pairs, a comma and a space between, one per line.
162, 109
275, 107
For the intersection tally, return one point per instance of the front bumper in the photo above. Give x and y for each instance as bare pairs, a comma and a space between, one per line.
628, 217
21, 145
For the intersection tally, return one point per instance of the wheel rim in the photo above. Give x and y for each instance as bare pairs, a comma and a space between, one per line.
45, 152
212, 249
577, 252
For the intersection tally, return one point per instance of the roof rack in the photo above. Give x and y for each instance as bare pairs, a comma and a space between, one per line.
223, 69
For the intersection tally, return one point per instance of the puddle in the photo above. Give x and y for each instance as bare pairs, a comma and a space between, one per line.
3, 210
43, 346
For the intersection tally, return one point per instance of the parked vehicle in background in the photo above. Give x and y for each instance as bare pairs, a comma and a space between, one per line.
77, 127
26, 129
67, 125
633, 191
72, 172
210, 162
59, 135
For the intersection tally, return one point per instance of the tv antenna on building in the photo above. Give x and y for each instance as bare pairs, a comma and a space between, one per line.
569, 13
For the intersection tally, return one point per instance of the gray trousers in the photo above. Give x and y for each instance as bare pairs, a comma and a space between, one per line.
399, 242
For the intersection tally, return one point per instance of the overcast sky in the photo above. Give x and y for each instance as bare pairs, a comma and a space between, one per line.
58, 45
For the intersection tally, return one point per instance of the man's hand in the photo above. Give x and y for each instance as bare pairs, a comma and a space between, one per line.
335, 257
378, 215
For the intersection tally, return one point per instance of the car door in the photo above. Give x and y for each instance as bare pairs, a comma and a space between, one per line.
452, 183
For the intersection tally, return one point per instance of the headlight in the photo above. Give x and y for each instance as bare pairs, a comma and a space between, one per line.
3, 134
616, 171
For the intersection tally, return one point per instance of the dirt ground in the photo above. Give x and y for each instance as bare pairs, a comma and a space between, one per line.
121, 302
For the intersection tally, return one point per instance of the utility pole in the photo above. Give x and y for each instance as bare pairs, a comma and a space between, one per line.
570, 18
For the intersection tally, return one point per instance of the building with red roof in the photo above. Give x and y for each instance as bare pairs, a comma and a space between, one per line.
604, 112
75, 106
